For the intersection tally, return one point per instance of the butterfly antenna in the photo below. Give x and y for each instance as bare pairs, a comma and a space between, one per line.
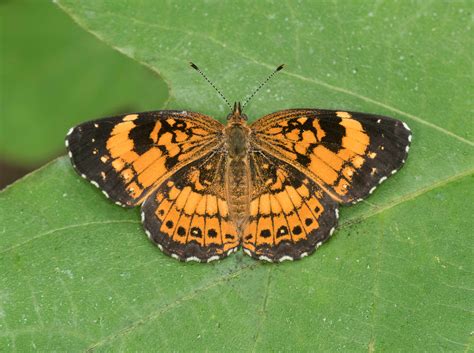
194, 66
262, 84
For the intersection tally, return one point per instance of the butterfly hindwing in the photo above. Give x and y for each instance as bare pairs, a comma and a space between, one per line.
290, 215
127, 156
188, 214
348, 154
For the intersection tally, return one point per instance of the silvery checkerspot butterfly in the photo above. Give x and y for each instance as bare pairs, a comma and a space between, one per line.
272, 187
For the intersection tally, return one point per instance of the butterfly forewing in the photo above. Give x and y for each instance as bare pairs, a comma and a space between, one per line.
128, 156
346, 153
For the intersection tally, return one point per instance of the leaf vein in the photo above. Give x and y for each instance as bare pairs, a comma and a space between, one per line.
167, 307
71, 226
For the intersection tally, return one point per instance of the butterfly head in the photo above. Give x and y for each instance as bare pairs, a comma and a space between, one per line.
237, 114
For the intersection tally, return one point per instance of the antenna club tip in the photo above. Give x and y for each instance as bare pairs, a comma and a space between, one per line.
280, 67
193, 65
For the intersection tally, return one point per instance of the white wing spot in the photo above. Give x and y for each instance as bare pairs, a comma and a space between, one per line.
407, 148
406, 126
337, 213
159, 246
372, 190
70, 154
230, 251
96, 125
119, 204
382, 180
247, 251
331, 232
320, 243
148, 234
285, 258
174, 256
264, 258
66, 142
394, 171
70, 131
84, 176
409, 138
143, 216
193, 258
213, 258
303, 255
378, 121
94, 183
105, 193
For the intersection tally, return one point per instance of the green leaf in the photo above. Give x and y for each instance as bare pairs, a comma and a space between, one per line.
54, 76
80, 274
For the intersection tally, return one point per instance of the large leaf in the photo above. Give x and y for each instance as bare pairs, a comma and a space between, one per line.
54, 75
79, 273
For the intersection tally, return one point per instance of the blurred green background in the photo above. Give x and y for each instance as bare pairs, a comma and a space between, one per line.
54, 75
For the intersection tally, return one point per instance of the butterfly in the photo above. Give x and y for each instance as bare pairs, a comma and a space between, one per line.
273, 187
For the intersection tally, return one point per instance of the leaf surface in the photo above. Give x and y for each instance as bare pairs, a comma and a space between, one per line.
80, 273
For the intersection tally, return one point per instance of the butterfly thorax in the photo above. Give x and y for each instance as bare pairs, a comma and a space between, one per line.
237, 169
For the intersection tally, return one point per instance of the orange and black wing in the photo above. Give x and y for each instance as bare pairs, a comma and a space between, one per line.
187, 216
290, 214
346, 153
128, 156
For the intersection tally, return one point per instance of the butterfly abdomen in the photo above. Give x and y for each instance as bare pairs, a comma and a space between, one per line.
238, 191
237, 174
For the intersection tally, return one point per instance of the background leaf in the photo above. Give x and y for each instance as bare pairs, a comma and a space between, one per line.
80, 274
